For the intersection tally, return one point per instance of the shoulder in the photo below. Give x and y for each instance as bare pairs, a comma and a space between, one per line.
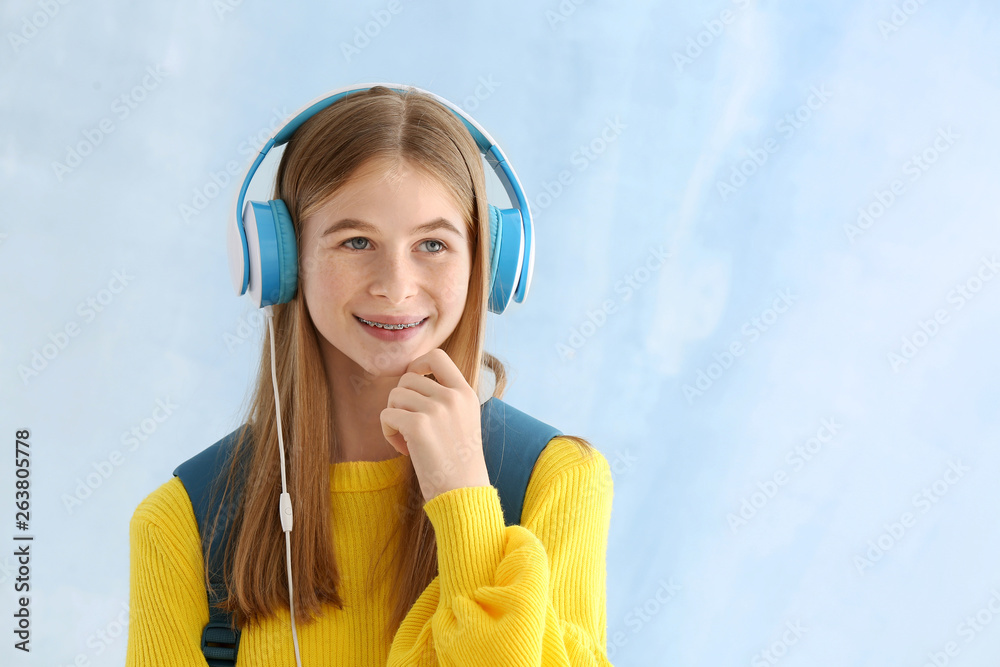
569, 469
167, 508
163, 531
567, 452
164, 537
166, 568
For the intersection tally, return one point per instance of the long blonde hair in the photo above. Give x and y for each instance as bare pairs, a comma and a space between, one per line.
321, 156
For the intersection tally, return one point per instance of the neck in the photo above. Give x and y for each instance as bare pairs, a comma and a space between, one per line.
358, 400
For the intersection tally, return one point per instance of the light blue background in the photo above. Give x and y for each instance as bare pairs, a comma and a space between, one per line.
686, 585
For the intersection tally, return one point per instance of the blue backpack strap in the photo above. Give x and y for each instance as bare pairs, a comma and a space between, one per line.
512, 443
220, 638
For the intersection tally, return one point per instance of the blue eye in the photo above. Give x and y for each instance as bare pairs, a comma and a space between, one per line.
350, 245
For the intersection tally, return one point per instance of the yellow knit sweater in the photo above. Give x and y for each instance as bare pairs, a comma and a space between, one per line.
530, 594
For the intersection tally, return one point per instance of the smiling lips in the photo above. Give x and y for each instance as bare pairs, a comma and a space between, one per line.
409, 328
390, 322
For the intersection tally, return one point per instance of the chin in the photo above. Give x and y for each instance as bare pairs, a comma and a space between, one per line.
393, 371
387, 365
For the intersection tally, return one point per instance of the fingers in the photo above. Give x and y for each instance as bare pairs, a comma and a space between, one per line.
441, 365
412, 399
420, 384
390, 419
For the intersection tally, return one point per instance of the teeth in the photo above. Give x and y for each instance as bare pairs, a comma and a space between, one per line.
389, 326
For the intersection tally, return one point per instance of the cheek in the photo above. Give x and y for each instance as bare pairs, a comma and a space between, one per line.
319, 284
311, 262
453, 287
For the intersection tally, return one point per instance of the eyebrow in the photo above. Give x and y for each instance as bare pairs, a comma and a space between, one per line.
368, 228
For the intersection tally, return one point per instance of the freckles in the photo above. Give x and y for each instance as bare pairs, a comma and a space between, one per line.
311, 262
453, 289
317, 266
308, 266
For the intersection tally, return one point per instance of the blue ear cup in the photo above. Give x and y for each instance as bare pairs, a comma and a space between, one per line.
494, 258
506, 242
287, 269
272, 252
261, 243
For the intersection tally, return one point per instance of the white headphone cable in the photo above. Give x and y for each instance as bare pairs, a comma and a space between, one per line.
285, 505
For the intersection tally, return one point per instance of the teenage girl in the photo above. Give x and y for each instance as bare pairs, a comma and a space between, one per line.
399, 554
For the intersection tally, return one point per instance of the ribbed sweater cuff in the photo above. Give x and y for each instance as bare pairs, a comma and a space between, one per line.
469, 529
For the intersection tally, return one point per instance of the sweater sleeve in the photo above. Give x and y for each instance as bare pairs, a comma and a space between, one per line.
529, 594
168, 604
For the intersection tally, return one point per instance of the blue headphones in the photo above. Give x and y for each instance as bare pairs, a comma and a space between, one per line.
262, 249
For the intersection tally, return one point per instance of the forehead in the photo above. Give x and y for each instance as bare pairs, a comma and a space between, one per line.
385, 174
388, 191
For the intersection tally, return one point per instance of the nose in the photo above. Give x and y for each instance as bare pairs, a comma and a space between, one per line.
394, 276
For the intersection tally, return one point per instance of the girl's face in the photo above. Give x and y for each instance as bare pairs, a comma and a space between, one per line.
391, 247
